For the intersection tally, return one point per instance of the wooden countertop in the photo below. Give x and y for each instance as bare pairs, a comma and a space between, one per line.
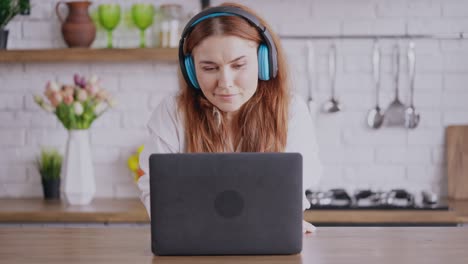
328, 245
133, 211
100, 211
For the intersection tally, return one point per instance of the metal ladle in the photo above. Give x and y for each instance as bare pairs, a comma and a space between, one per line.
411, 116
332, 105
375, 116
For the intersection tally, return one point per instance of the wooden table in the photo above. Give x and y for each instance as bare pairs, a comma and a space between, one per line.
328, 245
132, 211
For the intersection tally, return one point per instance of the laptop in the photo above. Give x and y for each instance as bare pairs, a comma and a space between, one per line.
226, 203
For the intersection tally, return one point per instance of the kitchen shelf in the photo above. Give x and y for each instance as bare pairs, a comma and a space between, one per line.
89, 55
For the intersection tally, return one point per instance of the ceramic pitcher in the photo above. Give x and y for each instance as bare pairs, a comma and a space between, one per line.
78, 29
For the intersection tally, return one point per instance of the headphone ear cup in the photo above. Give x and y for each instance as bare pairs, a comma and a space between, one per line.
263, 63
190, 68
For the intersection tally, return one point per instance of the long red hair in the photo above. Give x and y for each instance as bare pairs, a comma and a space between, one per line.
263, 120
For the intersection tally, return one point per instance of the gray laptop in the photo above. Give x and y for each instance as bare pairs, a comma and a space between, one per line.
226, 203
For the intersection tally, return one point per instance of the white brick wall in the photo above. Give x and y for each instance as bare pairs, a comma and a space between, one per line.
353, 155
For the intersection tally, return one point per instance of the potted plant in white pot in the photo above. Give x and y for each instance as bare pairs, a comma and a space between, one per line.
8, 10
49, 164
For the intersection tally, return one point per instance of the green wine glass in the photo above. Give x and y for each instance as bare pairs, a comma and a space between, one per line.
109, 18
142, 17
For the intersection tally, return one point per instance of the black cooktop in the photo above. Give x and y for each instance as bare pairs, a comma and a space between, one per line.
395, 199
441, 207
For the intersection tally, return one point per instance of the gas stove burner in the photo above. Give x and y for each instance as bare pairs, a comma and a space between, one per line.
376, 200
429, 198
393, 198
333, 197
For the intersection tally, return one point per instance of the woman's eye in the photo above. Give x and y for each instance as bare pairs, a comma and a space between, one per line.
208, 69
239, 66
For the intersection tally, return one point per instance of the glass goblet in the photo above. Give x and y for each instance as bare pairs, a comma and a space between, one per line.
142, 17
109, 18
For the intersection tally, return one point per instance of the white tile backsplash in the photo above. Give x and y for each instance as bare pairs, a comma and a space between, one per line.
354, 155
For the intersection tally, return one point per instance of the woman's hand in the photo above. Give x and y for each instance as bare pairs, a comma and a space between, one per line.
307, 227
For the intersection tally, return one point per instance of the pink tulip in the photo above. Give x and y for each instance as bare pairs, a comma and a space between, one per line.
92, 89
82, 95
68, 99
53, 86
48, 92
55, 99
68, 90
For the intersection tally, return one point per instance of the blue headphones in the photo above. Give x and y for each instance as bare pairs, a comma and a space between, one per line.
267, 55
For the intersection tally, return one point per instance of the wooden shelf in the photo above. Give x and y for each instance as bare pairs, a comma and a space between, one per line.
88, 55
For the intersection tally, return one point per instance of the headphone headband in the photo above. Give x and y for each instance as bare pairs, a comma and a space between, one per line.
228, 11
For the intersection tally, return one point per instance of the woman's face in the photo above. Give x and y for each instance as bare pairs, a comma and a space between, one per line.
227, 70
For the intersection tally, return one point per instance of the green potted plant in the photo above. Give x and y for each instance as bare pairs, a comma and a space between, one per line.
8, 10
49, 164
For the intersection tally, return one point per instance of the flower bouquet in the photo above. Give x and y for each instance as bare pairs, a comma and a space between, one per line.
76, 105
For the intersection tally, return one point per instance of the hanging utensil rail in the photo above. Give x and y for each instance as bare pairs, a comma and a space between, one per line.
445, 36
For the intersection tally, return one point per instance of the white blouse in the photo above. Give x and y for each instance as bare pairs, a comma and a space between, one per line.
166, 131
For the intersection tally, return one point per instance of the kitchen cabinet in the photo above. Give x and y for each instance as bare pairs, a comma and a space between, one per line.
89, 55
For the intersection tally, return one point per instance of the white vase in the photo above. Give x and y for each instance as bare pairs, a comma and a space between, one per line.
77, 171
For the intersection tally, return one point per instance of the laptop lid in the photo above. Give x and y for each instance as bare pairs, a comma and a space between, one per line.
226, 203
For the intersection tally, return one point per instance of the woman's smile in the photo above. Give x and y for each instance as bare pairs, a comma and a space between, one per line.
226, 97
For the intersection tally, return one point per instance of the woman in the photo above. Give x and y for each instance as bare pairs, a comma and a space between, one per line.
234, 96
